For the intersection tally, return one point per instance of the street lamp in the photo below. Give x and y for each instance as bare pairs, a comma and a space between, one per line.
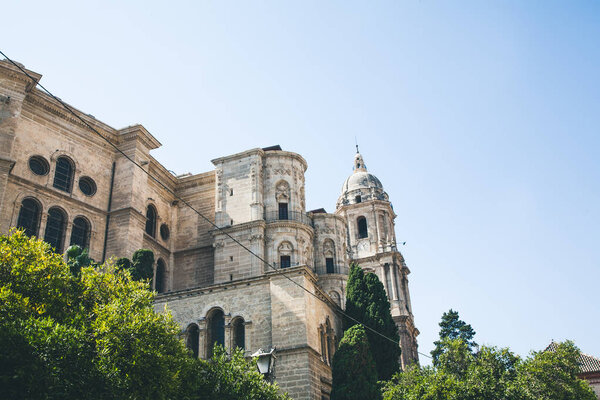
265, 361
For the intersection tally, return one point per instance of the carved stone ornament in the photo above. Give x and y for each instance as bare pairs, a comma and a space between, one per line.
285, 248
328, 248
282, 191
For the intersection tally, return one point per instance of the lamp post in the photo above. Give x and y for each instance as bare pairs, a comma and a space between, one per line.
265, 362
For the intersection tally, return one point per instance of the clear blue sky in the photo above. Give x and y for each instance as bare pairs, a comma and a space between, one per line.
480, 118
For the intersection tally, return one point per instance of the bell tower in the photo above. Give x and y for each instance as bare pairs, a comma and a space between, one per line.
371, 243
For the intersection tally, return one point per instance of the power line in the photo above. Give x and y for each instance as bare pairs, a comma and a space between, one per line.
278, 271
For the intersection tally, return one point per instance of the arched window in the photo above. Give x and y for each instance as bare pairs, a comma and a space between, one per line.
362, 227
80, 234
192, 338
357, 199
160, 283
63, 175
55, 228
151, 216
216, 331
29, 216
239, 333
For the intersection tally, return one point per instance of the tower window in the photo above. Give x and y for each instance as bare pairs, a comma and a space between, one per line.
283, 210
29, 217
216, 331
151, 220
358, 199
285, 261
329, 265
55, 229
63, 176
80, 234
362, 227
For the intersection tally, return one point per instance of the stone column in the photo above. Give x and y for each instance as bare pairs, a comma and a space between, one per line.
394, 286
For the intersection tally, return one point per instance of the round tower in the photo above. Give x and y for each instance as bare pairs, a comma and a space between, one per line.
371, 243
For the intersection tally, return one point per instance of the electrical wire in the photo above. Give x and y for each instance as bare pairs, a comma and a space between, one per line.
276, 270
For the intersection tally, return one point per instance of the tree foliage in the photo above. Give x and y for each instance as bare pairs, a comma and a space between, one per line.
452, 327
78, 258
354, 373
491, 373
142, 265
367, 302
95, 335
233, 377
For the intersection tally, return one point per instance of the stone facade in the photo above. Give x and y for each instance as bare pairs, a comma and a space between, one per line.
63, 183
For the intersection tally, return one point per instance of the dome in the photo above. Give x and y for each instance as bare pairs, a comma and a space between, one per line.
361, 185
361, 180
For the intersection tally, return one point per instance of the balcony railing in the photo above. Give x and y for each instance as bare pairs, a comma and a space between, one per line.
288, 216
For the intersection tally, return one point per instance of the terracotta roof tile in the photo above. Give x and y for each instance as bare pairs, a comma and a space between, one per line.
587, 363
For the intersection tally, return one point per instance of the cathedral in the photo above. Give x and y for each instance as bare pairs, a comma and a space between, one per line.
239, 259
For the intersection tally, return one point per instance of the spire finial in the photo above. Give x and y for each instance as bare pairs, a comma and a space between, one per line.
356, 142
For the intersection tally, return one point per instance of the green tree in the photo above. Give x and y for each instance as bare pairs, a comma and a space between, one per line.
78, 258
354, 373
452, 327
123, 263
367, 302
552, 375
142, 265
95, 335
491, 373
232, 377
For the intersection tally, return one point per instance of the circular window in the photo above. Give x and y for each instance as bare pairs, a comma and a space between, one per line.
39, 165
87, 186
164, 232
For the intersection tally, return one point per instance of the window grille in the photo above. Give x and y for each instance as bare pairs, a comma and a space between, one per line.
39, 165
63, 176
216, 331
285, 261
80, 234
239, 333
283, 211
192, 339
55, 229
87, 186
29, 217
160, 285
151, 221
329, 265
362, 227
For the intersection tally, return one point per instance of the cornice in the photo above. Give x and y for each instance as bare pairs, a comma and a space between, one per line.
290, 223
247, 153
140, 133
379, 203
288, 154
316, 216
238, 227
191, 181
46, 103
15, 73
